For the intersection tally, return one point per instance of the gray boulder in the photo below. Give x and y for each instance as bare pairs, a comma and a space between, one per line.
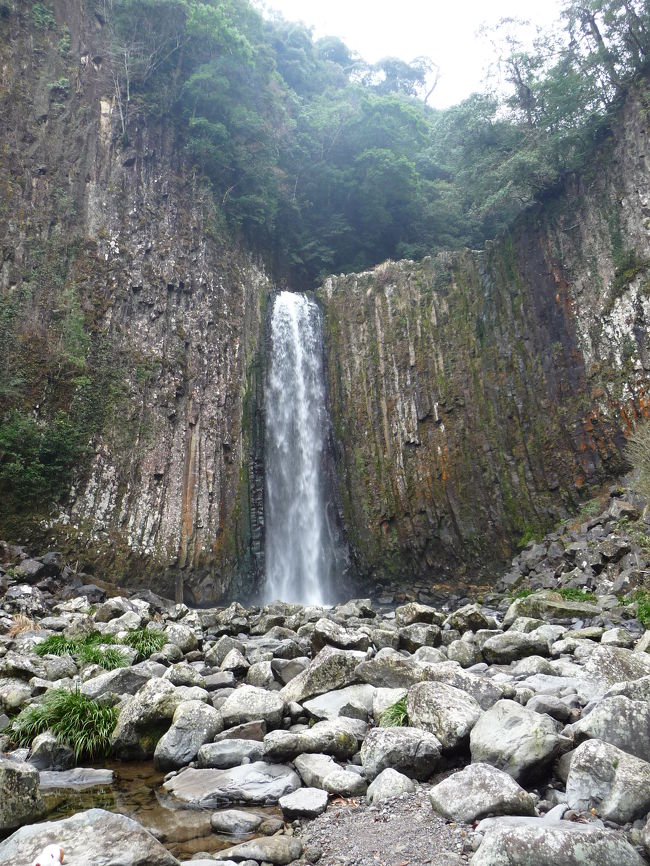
604, 778
515, 739
193, 724
121, 681
144, 718
330, 669
47, 753
77, 779
248, 703
410, 751
321, 771
182, 636
552, 844
341, 702
388, 785
484, 691
95, 836
446, 712
235, 822
502, 649
304, 803
229, 753
20, 800
255, 783
389, 669
277, 850
480, 790
331, 737
620, 721
413, 612
328, 633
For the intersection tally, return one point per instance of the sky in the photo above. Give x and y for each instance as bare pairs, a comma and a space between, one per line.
444, 30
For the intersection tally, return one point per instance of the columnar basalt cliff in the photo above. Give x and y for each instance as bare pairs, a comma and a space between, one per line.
477, 396
122, 303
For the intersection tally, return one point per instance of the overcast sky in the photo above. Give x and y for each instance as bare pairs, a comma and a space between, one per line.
444, 30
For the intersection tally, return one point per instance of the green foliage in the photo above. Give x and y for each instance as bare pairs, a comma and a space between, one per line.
37, 459
60, 88
395, 716
642, 599
64, 41
145, 641
87, 650
43, 17
637, 453
521, 593
529, 534
74, 719
569, 593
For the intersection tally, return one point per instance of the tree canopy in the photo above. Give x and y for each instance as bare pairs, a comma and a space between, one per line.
331, 164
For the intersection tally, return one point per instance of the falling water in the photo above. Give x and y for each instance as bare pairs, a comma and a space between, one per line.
300, 545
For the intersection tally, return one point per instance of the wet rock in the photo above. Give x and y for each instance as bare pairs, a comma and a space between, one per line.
193, 724
388, 785
95, 836
607, 779
235, 822
48, 754
229, 753
255, 783
446, 712
410, 751
77, 778
304, 803
20, 800
515, 739
479, 790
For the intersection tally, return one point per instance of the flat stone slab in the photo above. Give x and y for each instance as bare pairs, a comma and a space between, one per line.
274, 849
95, 836
79, 777
255, 783
304, 803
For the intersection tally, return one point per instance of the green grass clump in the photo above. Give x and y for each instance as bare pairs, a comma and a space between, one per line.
570, 593
74, 719
395, 716
642, 599
86, 649
145, 641
521, 593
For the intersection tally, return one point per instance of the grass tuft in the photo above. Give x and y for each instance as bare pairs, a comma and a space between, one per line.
570, 593
20, 623
87, 650
395, 716
74, 719
145, 641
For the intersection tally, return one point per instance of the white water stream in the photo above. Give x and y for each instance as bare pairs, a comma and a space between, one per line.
299, 547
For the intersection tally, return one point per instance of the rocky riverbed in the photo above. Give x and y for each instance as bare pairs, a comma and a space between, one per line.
498, 728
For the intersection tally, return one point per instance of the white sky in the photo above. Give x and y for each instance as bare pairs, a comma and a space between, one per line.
444, 30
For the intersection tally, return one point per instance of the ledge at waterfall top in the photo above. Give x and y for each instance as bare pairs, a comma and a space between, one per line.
302, 551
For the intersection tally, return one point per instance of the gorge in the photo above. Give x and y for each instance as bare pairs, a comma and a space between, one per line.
476, 396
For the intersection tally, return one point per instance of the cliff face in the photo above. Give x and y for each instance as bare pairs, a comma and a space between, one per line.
121, 302
477, 395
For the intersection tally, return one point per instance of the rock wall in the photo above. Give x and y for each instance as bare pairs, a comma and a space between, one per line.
477, 396
121, 300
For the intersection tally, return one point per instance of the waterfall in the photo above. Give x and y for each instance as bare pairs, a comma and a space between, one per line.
300, 545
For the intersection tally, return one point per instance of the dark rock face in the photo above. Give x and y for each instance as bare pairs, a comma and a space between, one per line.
168, 313
476, 394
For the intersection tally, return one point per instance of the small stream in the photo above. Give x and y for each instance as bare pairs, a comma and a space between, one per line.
137, 792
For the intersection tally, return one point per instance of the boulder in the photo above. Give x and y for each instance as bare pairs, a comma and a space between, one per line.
620, 721
328, 633
604, 778
410, 751
193, 724
389, 669
303, 803
121, 681
331, 737
413, 612
467, 618
144, 718
484, 691
388, 785
248, 703
446, 712
229, 753
341, 702
183, 674
413, 637
20, 800
255, 783
182, 636
274, 849
47, 753
321, 771
330, 669
235, 822
480, 790
95, 836
552, 844
546, 605
515, 739
502, 649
